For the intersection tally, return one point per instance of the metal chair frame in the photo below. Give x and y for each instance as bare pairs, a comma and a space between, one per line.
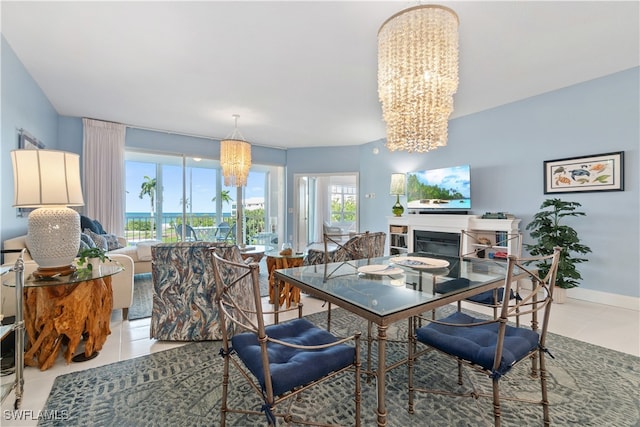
252, 320
532, 305
474, 235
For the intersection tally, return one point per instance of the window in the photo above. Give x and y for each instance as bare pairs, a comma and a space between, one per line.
164, 191
320, 199
343, 203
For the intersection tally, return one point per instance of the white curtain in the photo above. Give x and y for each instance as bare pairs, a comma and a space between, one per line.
322, 205
103, 173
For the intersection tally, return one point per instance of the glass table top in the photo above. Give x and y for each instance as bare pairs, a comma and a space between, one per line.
386, 285
105, 269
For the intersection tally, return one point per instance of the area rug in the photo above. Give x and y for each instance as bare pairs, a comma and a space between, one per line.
143, 294
588, 386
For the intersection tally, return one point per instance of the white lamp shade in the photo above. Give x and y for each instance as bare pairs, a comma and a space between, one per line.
397, 184
50, 181
46, 178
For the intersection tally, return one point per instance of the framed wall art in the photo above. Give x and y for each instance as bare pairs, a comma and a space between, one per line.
27, 142
600, 172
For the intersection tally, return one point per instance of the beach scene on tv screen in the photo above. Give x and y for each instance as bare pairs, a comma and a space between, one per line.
446, 188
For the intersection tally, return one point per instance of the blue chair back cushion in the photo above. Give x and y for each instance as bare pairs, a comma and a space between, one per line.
291, 367
462, 283
477, 344
487, 297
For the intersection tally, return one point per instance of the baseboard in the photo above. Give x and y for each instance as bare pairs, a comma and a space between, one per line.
622, 301
599, 297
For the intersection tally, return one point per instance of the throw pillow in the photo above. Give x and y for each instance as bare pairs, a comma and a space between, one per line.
98, 239
99, 227
83, 246
112, 241
87, 240
87, 223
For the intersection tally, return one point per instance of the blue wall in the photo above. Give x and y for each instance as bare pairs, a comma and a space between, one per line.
24, 106
505, 147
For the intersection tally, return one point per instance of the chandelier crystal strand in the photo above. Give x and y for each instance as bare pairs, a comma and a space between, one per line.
417, 76
235, 158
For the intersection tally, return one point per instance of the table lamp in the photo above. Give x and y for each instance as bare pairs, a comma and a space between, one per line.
49, 180
397, 189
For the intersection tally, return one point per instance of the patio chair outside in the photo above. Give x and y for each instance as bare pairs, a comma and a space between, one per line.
190, 233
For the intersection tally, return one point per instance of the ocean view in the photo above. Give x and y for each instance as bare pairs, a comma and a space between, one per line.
167, 217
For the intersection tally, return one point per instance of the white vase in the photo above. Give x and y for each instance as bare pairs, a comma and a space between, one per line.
95, 264
559, 295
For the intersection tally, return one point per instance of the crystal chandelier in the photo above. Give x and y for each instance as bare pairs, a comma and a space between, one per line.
417, 76
235, 158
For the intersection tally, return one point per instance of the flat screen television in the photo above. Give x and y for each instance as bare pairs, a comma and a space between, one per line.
436, 190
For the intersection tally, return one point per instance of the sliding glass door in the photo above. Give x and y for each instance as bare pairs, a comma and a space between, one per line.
165, 191
324, 199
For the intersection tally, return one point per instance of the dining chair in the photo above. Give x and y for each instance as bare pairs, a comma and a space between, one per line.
471, 244
358, 246
279, 361
491, 345
364, 245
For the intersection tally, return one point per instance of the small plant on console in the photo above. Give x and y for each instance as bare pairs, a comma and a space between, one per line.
85, 256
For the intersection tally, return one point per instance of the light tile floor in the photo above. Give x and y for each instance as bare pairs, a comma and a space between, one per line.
607, 326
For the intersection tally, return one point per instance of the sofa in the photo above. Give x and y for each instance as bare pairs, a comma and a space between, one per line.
140, 254
122, 283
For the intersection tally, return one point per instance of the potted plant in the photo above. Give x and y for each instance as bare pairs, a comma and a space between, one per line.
87, 258
546, 227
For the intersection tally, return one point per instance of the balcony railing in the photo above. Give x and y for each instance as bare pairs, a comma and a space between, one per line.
139, 228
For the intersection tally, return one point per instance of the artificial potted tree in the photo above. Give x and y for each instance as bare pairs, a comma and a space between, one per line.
546, 227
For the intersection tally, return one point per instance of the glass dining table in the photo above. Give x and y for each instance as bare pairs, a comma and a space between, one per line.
389, 289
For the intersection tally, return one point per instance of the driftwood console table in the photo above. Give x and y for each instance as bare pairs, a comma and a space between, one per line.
64, 310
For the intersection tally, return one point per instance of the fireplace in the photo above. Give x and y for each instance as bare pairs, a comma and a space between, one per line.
438, 244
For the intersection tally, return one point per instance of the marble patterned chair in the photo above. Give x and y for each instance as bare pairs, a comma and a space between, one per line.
184, 290
359, 246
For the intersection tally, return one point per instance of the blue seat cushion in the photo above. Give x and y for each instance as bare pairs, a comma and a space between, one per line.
477, 344
291, 367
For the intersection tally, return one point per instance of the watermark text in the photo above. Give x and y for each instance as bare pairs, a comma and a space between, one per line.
31, 415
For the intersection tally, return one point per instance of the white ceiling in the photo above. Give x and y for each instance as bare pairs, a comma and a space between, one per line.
300, 74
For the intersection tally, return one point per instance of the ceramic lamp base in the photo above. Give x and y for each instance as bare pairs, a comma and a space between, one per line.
397, 209
53, 236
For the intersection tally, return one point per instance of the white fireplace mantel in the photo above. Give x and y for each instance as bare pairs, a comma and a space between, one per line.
434, 222
449, 224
